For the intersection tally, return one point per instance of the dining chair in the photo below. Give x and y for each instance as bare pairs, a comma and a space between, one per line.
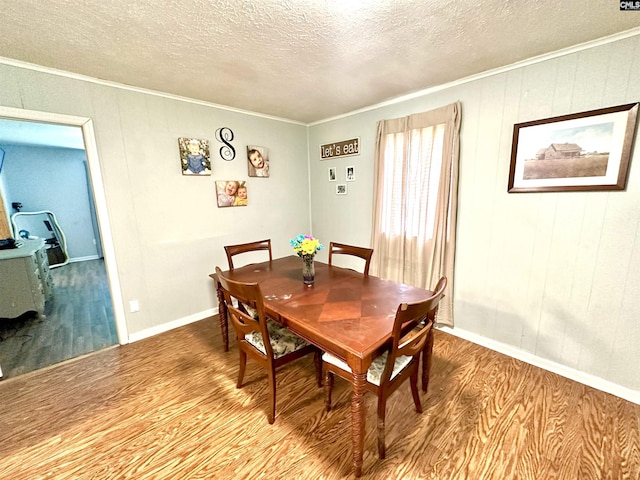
362, 252
389, 370
260, 338
232, 250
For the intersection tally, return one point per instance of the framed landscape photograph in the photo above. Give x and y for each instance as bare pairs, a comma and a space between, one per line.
582, 151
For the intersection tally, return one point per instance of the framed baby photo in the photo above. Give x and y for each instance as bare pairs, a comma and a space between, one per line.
257, 161
231, 193
194, 156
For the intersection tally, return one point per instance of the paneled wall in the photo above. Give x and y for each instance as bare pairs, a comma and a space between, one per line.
549, 277
167, 230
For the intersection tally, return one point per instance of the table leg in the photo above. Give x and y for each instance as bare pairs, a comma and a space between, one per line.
358, 416
222, 313
426, 360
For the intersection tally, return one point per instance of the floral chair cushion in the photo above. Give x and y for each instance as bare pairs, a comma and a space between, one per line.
377, 366
250, 310
282, 340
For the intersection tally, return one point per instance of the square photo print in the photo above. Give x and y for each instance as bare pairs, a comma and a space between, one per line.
231, 193
350, 174
194, 156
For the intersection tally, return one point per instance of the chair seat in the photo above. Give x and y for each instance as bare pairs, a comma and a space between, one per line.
283, 341
377, 366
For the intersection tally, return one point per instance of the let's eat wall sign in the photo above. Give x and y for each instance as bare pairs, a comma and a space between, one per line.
340, 149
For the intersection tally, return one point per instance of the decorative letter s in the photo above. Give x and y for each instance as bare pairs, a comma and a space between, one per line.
225, 135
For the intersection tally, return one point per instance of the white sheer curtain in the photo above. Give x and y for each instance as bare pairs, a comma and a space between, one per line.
415, 200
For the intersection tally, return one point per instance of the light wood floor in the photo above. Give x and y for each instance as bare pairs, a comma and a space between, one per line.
167, 408
78, 319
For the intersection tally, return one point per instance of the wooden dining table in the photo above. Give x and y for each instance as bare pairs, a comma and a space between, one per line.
344, 313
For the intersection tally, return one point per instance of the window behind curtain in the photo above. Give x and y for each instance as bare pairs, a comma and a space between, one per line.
414, 218
415, 200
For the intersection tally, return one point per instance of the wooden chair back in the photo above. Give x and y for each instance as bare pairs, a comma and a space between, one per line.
428, 348
407, 340
246, 294
344, 249
232, 250
439, 292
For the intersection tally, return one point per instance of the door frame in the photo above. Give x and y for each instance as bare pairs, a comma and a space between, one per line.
99, 196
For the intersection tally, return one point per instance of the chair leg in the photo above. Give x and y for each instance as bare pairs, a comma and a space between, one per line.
328, 385
317, 360
271, 416
382, 406
222, 314
243, 364
413, 380
426, 361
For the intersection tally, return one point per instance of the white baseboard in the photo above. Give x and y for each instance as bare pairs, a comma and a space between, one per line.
567, 372
165, 327
84, 259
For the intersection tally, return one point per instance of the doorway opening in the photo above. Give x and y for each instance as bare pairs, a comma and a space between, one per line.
101, 270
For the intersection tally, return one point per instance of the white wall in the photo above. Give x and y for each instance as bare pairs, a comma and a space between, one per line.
552, 277
168, 232
53, 179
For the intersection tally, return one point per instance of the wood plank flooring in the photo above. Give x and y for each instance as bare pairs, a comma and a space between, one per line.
167, 408
78, 320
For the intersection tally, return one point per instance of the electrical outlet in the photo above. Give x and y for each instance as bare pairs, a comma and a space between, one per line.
134, 306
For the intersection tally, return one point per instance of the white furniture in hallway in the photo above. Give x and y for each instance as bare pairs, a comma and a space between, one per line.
25, 280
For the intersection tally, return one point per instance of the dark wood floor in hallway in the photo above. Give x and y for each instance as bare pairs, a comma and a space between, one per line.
167, 408
78, 320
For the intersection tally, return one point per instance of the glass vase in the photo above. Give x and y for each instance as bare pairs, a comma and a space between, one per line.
308, 270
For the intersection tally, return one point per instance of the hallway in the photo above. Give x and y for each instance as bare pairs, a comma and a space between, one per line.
78, 320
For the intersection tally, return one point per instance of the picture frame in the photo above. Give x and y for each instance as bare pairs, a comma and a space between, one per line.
257, 161
332, 174
350, 174
341, 189
231, 193
578, 152
195, 158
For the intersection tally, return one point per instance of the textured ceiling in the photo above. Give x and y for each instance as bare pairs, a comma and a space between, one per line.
303, 60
